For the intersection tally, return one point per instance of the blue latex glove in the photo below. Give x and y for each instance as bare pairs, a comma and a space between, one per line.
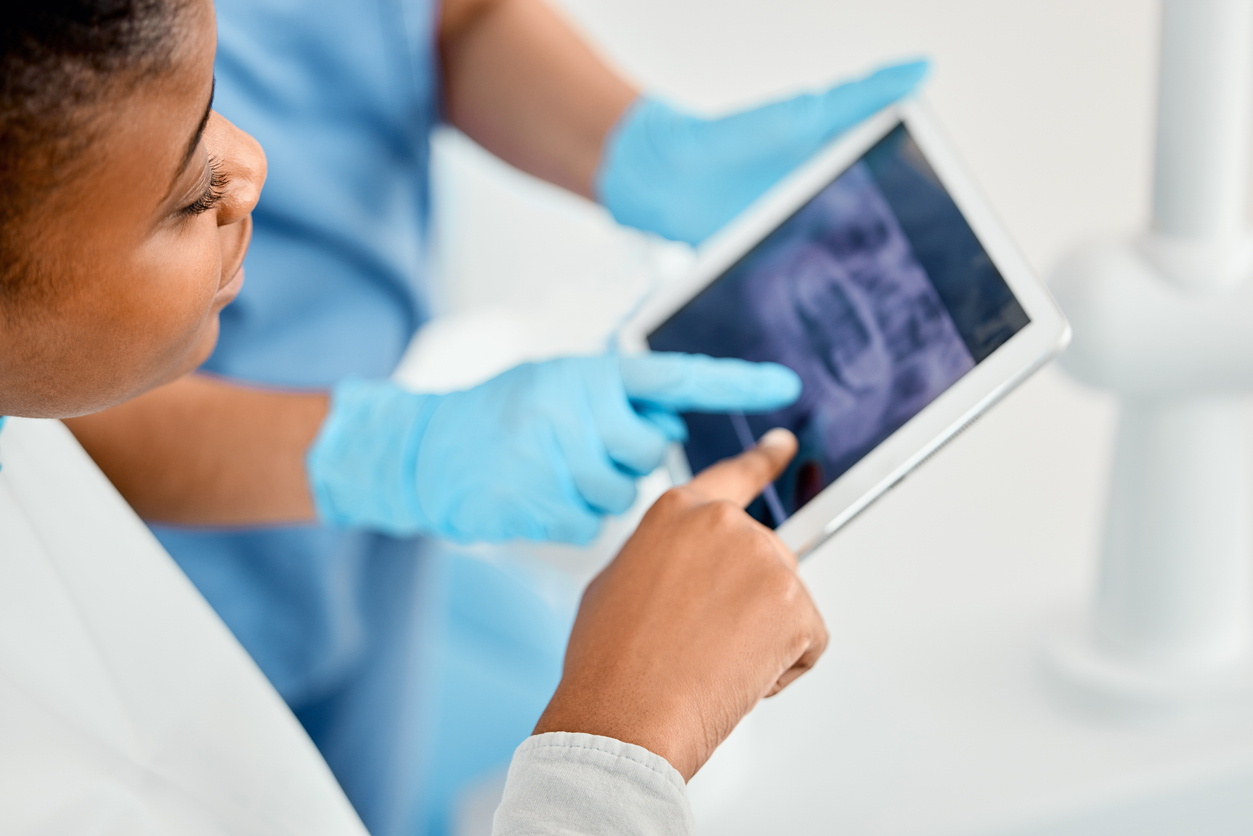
541, 452
684, 177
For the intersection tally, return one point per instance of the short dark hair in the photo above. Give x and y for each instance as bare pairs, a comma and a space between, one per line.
57, 59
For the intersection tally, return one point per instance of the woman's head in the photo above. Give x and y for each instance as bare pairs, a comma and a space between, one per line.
124, 200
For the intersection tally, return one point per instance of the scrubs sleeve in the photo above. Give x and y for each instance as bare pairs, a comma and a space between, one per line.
590, 785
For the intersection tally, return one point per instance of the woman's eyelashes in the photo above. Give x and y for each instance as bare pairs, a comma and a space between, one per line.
212, 194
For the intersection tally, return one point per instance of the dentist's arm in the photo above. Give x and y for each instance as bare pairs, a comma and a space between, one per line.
524, 85
206, 451
540, 452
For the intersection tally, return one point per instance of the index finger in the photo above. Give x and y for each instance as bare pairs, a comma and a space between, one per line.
741, 478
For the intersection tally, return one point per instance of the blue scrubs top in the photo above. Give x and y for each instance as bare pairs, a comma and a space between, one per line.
411, 670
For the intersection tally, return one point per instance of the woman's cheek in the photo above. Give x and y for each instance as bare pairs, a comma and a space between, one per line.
183, 283
198, 291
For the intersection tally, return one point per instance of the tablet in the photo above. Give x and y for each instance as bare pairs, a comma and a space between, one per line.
878, 274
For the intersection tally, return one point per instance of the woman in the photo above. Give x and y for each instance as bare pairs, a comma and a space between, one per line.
124, 705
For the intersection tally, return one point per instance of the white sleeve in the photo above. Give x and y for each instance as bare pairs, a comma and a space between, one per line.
584, 785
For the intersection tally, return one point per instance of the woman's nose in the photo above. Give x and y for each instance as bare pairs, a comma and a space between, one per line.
243, 162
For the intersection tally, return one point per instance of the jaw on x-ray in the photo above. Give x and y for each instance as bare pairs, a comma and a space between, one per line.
838, 294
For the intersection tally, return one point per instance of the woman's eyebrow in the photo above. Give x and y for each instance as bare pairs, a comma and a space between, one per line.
195, 137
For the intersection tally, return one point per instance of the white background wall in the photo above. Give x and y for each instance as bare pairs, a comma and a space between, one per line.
926, 715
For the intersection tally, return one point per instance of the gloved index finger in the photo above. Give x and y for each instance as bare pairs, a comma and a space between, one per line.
697, 383
741, 478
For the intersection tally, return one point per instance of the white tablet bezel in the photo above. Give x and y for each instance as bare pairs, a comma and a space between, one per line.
1024, 353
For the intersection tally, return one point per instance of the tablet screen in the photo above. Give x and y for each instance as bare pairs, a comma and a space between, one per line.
876, 292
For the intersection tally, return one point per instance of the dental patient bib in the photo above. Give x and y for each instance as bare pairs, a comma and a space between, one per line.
126, 706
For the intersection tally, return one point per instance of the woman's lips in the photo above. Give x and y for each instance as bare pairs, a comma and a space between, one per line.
227, 292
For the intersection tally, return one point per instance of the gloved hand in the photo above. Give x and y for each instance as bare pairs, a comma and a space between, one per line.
540, 452
683, 176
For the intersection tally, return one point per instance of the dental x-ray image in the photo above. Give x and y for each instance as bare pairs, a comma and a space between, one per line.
876, 292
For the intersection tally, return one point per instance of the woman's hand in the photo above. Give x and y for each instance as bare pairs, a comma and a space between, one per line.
698, 617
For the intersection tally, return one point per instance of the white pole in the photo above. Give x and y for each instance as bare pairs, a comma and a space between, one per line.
1175, 593
1174, 585
1175, 590
1201, 176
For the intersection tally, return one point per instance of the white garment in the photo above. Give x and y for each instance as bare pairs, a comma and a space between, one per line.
126, 706
568, 784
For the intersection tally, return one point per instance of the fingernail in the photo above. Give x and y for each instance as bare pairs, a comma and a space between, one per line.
778, 437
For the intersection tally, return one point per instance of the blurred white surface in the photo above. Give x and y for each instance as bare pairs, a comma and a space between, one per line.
126, 705
927, 715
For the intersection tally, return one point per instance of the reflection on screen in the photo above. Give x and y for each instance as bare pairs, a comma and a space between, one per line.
876, 292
